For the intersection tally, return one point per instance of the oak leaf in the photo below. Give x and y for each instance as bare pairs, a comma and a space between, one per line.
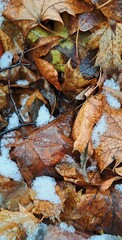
37, 11
110, 47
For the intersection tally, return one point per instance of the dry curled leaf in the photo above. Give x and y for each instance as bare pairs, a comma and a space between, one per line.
48, 72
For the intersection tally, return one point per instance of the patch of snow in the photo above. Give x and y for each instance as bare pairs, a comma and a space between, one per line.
3, 237
118, 187
22, 82
24, 99
99, 129
6, 60
44, 116
44, 188
39, 233
67, 159
65, 227
111, 100
8, 168
111, 83
104, 237
13, 121
2, 7
92, 168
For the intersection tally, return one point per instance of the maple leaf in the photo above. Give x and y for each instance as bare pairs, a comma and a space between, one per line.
110, 47
36, 153
110, 147
39, 10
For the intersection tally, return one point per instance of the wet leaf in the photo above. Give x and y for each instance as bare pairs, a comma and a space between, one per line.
88, 115
48, 72
36, 153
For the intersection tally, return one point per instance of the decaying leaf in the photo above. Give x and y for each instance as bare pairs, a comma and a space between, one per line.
94, 210
48, 72
3, 94
110, 47
43, 149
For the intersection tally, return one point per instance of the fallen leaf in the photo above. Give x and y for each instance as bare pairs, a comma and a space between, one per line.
71, 172
88, 115
36, 153
110, 47
3, 95
47, 70
55, 232
37, 11
74, 81
118, 170
111, 9
107, 183
110, 147
42, 46
18, 224
93, 210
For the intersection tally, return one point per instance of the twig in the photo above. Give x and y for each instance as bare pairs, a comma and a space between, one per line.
13, 102
15, 65
15, 128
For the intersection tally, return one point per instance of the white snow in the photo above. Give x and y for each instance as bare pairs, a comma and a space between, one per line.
99, 129
2, 7
6, 59
67, 158
65, 227
44, 116
118, 187
13, 121
104, 237
22, 82
39, 233
92, 168
111, 100
8, 168
24, 114
44, 188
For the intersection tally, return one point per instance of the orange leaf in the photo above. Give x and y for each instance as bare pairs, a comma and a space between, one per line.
88, 115
48, 72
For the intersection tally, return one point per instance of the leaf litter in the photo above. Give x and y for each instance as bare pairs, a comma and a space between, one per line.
60, 119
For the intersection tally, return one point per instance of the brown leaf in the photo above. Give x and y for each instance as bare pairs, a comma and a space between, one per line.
42, 46
74, 81
94, 210
55, 232
36, 153
47, 70
107, 183
110, 147
110, 47
89, 20
118, 170
37, 11
13, 193
71, 172
111, 9
88, 115
3, 94
1, 48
